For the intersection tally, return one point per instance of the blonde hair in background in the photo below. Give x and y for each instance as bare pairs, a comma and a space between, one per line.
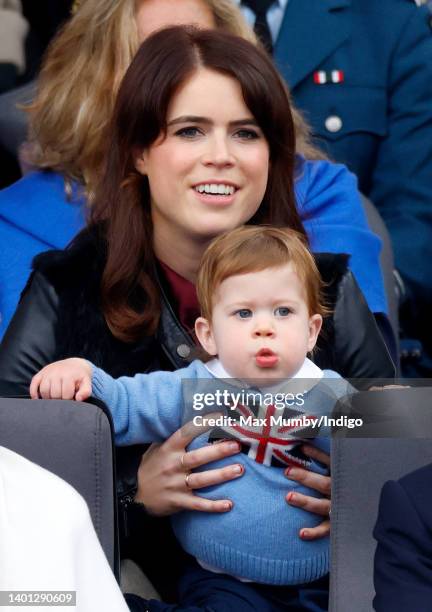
252, 248
77, 86
79, 80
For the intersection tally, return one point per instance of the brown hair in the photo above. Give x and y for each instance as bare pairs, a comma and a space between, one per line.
165, 60
252, 249
79, 80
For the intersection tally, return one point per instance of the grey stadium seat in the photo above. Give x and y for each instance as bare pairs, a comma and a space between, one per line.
74, 441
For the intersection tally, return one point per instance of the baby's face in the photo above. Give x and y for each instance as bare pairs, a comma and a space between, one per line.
261, 327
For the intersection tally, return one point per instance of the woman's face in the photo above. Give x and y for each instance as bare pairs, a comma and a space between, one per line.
154, 15
208, 174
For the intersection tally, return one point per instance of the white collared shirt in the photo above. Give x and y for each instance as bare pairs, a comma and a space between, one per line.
308, 370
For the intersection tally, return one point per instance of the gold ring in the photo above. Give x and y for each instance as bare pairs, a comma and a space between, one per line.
187, 476
182, 462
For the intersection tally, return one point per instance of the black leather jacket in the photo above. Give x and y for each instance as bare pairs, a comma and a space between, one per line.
59, 316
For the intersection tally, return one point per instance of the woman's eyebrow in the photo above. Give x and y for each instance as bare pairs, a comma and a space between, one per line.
188, 119
206, 120
247, 121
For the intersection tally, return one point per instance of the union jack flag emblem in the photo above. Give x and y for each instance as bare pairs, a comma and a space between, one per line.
264, 439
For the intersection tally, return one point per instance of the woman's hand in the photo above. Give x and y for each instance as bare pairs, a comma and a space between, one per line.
312, 504
165, 482
67, 379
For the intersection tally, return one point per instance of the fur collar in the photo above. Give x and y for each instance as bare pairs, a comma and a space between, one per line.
81, 330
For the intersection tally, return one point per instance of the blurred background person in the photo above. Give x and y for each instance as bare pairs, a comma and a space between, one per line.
403, 557
58, 527
361, 71
42, 19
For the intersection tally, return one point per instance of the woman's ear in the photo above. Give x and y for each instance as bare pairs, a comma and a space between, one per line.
140, 162
204, 334
315, 323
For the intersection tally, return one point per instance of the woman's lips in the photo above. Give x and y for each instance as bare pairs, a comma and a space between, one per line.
265, 358
215, 199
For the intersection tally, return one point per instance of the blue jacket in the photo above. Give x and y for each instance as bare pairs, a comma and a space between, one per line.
378, 120
403, 558
35, 217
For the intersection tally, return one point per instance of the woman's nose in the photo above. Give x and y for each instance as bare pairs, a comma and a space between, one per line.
218, 152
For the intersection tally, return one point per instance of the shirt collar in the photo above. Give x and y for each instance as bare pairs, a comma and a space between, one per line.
307, 370
281, 3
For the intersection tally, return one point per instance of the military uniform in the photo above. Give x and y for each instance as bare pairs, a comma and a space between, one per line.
361, 70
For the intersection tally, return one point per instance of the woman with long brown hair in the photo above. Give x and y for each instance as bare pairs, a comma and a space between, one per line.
182, 167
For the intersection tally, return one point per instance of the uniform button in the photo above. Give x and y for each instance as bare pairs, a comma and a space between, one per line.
333, 123
183, 350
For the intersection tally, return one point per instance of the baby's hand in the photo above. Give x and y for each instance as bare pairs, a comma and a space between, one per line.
67, 379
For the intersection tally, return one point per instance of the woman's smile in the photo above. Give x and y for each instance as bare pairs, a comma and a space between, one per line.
216, 192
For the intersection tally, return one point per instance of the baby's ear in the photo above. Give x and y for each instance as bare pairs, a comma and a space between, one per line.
204, 334
315, 323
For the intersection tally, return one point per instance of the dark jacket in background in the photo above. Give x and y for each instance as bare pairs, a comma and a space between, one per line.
403, 559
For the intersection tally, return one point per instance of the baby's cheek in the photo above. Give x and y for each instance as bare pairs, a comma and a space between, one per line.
235, 364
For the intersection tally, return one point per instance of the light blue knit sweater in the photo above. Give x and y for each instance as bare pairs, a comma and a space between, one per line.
258, 539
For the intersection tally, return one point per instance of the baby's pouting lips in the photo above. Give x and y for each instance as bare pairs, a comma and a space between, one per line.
266, 358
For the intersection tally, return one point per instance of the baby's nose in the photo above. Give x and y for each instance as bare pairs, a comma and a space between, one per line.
264, 330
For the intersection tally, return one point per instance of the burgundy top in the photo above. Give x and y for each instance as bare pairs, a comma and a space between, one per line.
184, 294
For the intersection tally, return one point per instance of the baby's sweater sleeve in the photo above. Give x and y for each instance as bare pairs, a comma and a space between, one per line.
145, 408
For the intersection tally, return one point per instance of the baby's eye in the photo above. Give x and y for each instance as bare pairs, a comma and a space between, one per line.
188, 132
282, 311
247, 134
243, 313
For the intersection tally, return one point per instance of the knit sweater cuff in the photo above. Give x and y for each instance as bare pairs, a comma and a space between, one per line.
102, 387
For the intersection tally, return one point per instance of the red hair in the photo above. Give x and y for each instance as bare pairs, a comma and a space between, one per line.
252, 249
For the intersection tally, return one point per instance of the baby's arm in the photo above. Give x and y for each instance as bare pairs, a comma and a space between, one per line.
145, 408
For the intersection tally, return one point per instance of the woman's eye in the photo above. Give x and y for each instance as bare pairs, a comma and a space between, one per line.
282, 311
188, 132
243, 313
247, 134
